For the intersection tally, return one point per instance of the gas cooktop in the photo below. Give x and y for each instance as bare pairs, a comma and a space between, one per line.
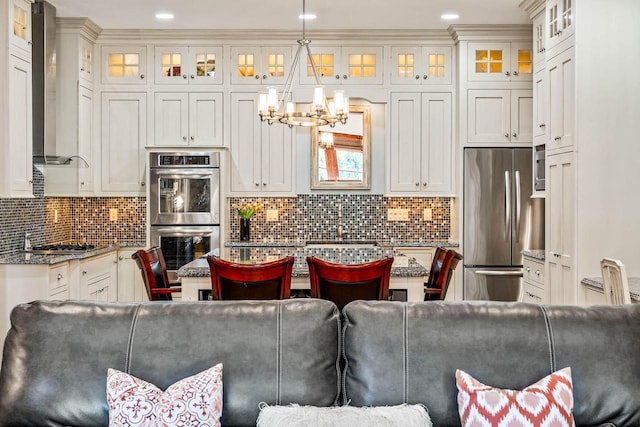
61, 248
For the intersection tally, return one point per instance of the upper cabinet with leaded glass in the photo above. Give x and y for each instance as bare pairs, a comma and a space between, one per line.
559, 21
20, 25
500, 61
124, 64
421, 65
267, 65
344, 65
188, 65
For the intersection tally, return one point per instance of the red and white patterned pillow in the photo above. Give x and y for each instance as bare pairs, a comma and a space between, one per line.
193, 401
548, 402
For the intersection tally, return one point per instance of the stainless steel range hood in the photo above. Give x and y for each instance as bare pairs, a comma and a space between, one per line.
43, 21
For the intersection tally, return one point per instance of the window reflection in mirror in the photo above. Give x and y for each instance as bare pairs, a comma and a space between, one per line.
340, 156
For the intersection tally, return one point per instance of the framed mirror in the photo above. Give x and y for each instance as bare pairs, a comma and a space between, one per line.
341, 156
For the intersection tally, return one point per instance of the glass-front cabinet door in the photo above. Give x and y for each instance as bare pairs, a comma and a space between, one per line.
420, 65
344, 65
267, 65
188, 65
20, 24
124, 64
500, 61
85, 51
560, 21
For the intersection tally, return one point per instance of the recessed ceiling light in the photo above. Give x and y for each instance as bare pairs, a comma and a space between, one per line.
165, 16
307, 16
449, 16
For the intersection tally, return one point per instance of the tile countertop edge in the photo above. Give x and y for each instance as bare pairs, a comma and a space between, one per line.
22, 258
596, 282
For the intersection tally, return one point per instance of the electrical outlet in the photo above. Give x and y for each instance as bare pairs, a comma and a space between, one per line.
427, 214
272, 214
113, 214
271, 258
55, 216
398, 214
401, 261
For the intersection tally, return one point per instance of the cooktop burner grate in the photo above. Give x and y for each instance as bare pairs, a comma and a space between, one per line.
61, 248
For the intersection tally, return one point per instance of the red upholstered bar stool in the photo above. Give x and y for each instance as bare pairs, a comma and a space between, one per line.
232, 281
437, 290
154, 273
343, 283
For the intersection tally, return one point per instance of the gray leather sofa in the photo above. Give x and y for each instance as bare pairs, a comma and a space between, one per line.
57, 354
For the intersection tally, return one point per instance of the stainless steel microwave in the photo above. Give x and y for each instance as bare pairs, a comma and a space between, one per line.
538, 168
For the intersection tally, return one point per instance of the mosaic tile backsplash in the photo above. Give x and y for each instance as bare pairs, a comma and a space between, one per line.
363, 217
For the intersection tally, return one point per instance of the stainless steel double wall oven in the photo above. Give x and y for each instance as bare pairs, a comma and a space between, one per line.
184, 205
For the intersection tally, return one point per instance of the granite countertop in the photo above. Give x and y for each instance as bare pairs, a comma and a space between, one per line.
406, 267
634, 285
19, 257
534, 253
386, 244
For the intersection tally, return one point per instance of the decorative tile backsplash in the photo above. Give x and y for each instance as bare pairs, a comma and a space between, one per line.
363, 217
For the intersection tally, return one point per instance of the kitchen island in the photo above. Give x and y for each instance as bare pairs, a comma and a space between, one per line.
407, 275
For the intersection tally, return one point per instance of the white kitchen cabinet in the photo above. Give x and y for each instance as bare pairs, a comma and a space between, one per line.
260, 65
130, 283
560, 101
261, 154
124, 64
560, 220
539, 123
501, 116
99, 278
560, 23
188, 65
499, 61
59, 280
188, 119
337, 65
421, 65
20, 26
124, 136
539, 41
533, 286
421, 148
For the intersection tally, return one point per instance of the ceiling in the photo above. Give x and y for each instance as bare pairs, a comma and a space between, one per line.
283, 14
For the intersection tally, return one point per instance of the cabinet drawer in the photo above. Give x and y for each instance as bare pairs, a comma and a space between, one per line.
97, 267
58, 279
533, 271
532, 293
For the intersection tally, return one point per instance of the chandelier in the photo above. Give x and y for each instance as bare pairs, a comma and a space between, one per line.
322, 112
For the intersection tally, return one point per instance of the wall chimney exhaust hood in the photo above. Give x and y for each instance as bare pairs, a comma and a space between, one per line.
43, 21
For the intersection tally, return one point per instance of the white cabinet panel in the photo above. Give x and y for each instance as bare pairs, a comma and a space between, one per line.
421, 65
131, 286
188, 65
560, 100
337, 65
266, 65
124, 136
499, 61
499, 116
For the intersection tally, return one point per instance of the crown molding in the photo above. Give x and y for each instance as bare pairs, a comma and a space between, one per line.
86, 26
277, 35
491, 32
532, 7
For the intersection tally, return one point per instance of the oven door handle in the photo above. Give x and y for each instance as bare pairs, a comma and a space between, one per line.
184, 174
184, 232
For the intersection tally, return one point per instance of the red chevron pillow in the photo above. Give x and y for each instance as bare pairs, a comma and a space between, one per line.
547, 402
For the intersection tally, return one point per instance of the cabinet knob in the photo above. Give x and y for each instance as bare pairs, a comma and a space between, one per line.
337, 76
264, 77
257, 184
543, 49
143, 183
417, 184
29, 42
345, 77
59, 276
515, 135
424, 184
515, 73
82, 183
84, 273
184, 76
30, 181
184, 138
507, 73
537, 272
557, 138
192, 76
528, 269
120, 258
257, 77
417, 77
506, 135
81, 68
425, 77
264, 184
192, 138
142, 76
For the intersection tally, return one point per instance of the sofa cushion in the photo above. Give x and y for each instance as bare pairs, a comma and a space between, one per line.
547, 402
195, 400
408, 353
56, 355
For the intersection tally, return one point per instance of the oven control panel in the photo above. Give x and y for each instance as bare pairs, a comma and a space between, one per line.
160, 160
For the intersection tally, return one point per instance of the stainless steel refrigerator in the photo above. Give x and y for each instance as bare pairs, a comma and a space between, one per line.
500, 220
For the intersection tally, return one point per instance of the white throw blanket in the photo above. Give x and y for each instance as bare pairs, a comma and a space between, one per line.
347, 416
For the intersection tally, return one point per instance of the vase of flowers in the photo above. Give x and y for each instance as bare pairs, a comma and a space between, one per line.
246, 212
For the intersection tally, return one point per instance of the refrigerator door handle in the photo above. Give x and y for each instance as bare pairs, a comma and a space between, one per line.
516, 273
518, 204
507, 205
